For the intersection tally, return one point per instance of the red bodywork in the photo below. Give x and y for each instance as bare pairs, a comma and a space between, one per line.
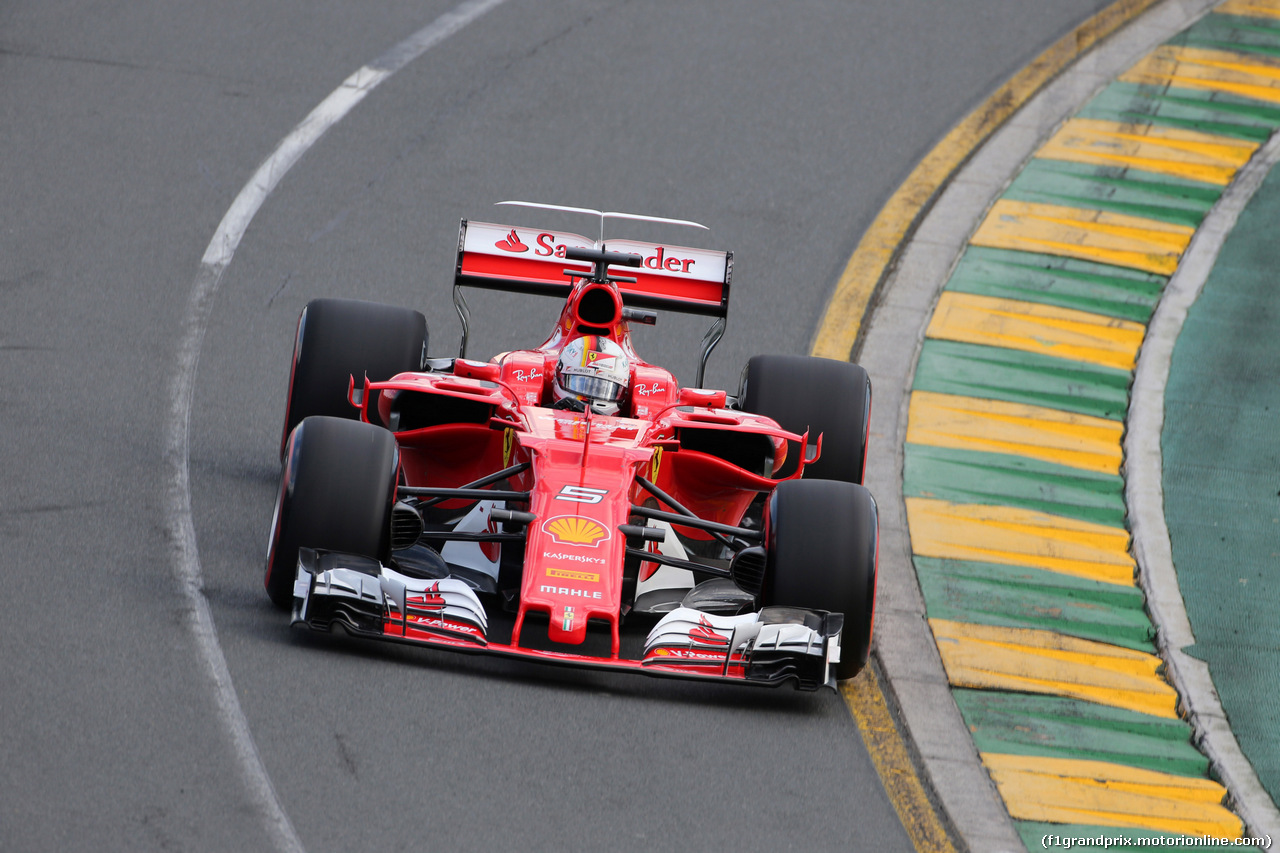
583, 467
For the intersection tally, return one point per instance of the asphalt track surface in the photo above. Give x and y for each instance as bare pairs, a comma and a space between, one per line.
127, 130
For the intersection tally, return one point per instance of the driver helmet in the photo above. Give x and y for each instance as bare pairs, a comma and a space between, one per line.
592, 371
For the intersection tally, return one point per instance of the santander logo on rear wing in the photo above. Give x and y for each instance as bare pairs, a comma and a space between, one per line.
529, 260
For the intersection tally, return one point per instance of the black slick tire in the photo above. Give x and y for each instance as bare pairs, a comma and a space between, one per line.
340, 338
336, 492
821, 543
816, 394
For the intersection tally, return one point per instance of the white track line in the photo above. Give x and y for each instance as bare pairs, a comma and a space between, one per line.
1144, 497
177, 443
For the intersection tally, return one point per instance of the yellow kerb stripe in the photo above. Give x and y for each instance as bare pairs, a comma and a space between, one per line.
1099, 793
1223, 71
884, 237
1046, 662
1032, 327
1163, 150
971, 423
1250, 8
1091, 235
1019, 537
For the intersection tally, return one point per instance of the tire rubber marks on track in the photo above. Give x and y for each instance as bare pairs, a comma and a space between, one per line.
329, 112
1090, 235
217, 256
1212, 70
1020, 537
1028, 660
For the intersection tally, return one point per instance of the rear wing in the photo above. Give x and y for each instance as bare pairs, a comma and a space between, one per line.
526, 260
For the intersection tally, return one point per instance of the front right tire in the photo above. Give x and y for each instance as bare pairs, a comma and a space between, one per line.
821, 546
336, 492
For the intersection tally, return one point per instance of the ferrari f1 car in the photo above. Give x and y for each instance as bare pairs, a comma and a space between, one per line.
572, 503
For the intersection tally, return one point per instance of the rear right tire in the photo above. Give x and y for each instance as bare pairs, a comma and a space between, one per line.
824, 396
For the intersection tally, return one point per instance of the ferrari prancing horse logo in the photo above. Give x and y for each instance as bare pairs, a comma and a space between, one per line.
654, 463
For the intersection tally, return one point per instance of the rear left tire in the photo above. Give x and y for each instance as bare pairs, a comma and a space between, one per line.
341, 338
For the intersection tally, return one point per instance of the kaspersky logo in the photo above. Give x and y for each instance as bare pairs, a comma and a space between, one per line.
575, 530
511, 243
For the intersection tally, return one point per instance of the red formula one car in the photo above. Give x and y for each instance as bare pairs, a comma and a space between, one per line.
572, 503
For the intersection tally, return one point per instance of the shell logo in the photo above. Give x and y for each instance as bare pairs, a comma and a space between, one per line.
575, 530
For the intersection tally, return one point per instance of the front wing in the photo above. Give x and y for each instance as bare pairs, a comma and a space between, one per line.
767, 648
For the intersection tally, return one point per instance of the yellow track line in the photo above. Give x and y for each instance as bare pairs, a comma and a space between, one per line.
839, 331
842, 322
893, 763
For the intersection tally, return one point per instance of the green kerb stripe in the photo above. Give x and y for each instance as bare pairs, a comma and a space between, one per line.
971, 476
951, 367
1055, 727
1065, 282
1129, 191
1022, 597
1189, 109
1233, 32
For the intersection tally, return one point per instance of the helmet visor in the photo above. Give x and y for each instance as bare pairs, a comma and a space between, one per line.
593, 387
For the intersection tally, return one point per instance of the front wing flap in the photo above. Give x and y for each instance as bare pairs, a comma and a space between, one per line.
766, 648
369, 599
